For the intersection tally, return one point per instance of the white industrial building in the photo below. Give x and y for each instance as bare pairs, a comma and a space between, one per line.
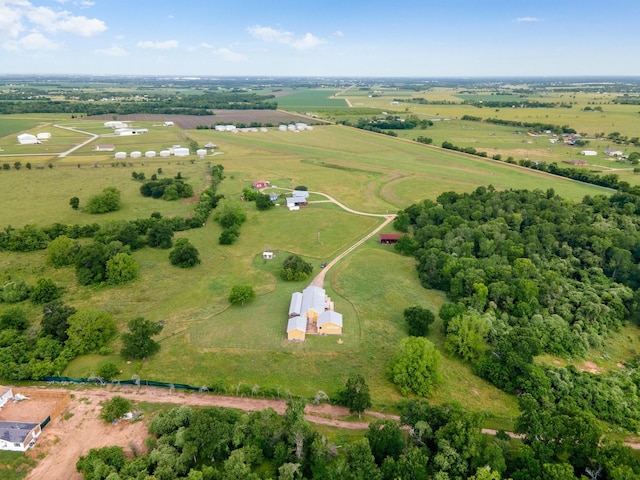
589, 153
201, 152
43, 136
120, 155
150, 153
27, 139
135, 154
165, 153
181, 152
130, 131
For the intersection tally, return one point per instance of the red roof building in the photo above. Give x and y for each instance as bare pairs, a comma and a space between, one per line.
389, 238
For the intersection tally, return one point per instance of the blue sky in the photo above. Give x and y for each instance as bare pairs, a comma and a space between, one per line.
420, 38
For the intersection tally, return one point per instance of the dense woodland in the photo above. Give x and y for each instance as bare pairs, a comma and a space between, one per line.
527, 273
439, 442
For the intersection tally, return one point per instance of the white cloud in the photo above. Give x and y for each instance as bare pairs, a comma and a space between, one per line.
229, 55
268, 34
86, 4
17, 16
158, 45
206, 45
114, 51
31, 43
308, 41
339, 33
527, 19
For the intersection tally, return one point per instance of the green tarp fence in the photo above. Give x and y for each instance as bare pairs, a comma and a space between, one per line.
100, 381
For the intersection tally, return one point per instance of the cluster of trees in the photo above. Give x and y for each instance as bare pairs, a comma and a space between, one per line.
295, 268
167, 189
45, 290
262, 200
526, 273
388, 124
30, 353
443, 442
230, 215
470, 150
107, 201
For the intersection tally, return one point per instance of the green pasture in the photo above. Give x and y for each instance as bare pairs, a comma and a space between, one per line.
206, 340
15, 465
307, 99
620, 118
44, 194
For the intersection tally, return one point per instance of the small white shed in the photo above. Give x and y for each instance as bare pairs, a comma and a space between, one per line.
120, 155
165, 153
135, 154
150, 153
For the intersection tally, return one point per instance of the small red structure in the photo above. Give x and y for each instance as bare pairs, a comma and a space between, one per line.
261, 184
389, 238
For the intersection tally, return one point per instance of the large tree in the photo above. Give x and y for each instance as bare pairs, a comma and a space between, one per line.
184, 254
418, 320
137, 342
90, 330
415, 366
107, 201
241, 294
62, 251
54, 321
356, 394
45, 290
121, 268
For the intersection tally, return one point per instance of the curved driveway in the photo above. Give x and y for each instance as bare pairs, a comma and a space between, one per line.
318, 281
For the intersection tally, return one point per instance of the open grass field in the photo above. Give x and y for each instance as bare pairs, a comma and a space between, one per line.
205, 339
309, 99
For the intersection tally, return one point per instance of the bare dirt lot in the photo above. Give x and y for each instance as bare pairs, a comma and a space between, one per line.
190, 122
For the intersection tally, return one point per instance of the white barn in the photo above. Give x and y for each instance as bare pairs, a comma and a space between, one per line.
43, 136
27, 139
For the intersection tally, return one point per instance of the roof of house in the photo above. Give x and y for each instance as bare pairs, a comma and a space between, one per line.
300, 193
313, 298
295, 307
15, 432
390, 236
297, 323
330, 316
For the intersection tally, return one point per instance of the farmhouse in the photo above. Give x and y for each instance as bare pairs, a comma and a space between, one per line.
27, 139
311, 312
105, 148
260, 184
389, 238
211, 146
18, 436
614, 153
273, 197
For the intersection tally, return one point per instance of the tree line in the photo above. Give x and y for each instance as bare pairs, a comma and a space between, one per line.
439, 442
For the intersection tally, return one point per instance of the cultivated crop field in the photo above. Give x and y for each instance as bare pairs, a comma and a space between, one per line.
206, 340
